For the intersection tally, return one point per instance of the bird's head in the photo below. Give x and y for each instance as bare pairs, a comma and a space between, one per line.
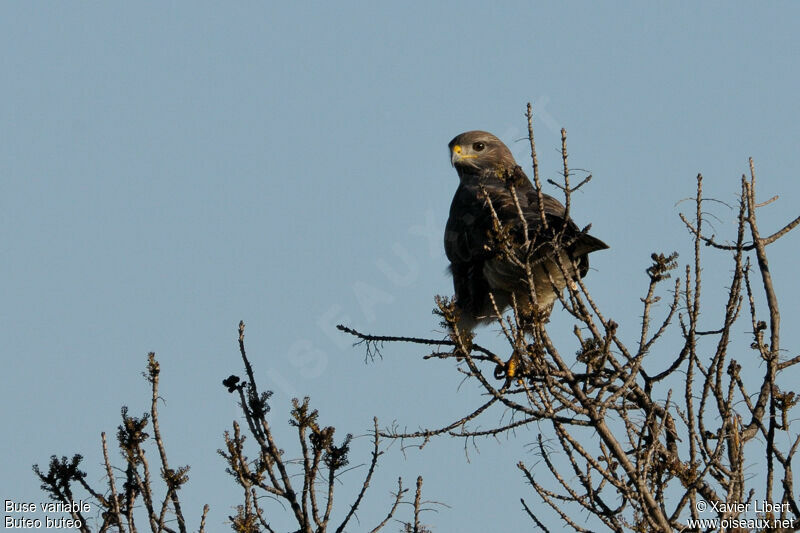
478, 151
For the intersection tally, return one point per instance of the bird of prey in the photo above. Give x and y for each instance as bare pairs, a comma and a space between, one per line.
489, 258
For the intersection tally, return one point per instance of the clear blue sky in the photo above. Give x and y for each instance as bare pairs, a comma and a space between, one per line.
169, 169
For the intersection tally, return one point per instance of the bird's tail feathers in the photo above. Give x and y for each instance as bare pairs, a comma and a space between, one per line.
586, 244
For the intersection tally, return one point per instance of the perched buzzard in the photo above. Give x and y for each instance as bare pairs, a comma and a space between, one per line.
473, 244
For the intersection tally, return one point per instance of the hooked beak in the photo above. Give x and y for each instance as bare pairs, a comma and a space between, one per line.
457, 155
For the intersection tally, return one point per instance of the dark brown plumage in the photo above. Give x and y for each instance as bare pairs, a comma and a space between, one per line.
477, 262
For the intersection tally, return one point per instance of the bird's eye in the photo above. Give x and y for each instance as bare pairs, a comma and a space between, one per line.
478, 146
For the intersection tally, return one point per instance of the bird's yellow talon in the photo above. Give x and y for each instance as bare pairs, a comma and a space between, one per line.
511, 367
